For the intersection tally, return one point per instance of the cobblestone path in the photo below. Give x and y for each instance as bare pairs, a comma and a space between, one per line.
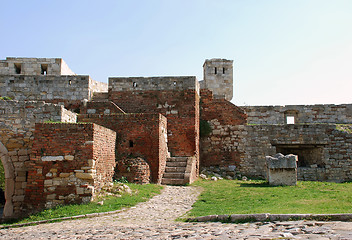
155, 220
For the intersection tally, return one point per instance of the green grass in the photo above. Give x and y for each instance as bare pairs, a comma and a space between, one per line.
141, 193
249, 197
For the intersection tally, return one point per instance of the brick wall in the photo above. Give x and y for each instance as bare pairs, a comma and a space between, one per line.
138, 135
220, 147
17, 121
179, 107
69, 164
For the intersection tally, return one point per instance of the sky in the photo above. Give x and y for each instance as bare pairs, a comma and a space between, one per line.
285, 51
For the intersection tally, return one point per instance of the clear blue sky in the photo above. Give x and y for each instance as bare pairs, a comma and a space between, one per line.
284, 51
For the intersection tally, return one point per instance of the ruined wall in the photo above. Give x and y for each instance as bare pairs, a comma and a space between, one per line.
69, 164
328, 113
251, 144
138, 135
174, 97
220, 147
17, 120
34, 66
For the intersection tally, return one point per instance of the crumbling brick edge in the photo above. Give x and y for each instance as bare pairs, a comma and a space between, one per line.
267, 217
90, 215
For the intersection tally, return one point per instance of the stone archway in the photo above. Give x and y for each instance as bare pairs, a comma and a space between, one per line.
9, 181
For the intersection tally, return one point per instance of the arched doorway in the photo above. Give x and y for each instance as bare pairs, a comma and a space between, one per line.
9, 181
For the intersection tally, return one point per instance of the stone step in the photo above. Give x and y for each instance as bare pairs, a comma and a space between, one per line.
170, 181
174, 175
175, 169
176, 164
177, 159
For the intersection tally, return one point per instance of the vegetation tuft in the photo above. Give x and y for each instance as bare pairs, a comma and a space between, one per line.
140, 193
204, 128
250, 197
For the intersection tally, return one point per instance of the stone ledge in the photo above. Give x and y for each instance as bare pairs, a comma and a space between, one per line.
267, 217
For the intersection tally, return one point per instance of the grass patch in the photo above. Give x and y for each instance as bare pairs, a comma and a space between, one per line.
141, 193
250, 197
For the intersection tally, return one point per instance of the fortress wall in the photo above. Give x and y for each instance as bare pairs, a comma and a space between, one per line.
46, 88
220, 147
17, 123
328, 113
324, 150
180, 107
34, 66
138, 135
117, 84
96, 86
70, 163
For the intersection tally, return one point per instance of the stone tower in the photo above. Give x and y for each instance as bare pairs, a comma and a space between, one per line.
218, 77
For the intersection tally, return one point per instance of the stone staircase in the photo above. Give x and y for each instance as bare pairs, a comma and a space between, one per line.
177, 171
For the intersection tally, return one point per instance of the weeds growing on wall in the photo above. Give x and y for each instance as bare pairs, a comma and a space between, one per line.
204, 128
5, 98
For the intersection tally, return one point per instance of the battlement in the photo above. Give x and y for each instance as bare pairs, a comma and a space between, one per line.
34, 66
117, 84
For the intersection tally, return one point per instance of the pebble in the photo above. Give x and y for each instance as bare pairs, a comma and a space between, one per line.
155, 219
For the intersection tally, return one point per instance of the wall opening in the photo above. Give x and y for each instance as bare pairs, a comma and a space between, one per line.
223, 70
131, 143
308, 155
44, 69
134, 84
291, 117
216, 70
18, 68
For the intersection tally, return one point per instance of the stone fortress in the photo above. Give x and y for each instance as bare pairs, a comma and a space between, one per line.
64, 136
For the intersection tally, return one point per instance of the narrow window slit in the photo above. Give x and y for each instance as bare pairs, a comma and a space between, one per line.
18, 68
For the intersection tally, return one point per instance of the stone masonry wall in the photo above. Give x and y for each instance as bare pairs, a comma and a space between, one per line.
328, 113
70, 163
250, 144
220, 148
117, 84
138, 135
17, 120
66, 90
34, 66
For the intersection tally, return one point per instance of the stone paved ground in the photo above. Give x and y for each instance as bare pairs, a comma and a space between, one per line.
155, 220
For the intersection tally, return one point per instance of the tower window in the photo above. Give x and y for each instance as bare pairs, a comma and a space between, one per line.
290, 119
223, 70
134, 84
44, 68
131, 143
216, 70
18, 68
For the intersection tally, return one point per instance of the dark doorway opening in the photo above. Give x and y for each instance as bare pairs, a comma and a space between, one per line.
308, 155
